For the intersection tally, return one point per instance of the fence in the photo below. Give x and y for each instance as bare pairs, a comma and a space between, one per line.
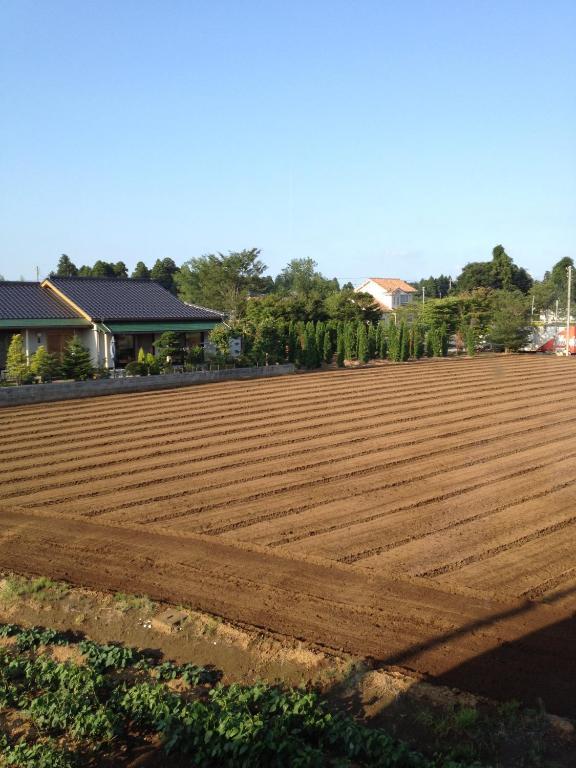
72, 390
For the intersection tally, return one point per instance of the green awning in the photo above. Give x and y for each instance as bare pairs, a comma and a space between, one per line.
159, 327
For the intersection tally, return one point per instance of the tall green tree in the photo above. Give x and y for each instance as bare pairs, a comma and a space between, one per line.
363, 354
393, 342
383, 341
340, 347
470, 340
347, 305
65, 267
16, 363
351, 340
44, 365
501, 269
553, 287
301, 278
76, 361
120, 269
102, 269
164, 272
434, 287
222, 282
403, 343
141, 271
510, 326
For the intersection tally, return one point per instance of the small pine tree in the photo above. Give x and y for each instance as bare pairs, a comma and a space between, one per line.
393, 346
438, 341
292, 341
351, 341
327, 351
141, 355
417, 341
444, 339
320, 333
383, 342
363, 344
379, 331
340, 353
76, 361
311, 351
470, 340
403, 343
16, 363
43, 364
168, 345
372, 346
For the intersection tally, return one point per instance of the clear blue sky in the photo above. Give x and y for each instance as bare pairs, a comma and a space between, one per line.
379, 137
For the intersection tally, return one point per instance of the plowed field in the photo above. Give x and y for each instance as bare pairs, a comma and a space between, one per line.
423, 514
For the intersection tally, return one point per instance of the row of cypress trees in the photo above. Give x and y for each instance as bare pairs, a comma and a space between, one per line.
310, 344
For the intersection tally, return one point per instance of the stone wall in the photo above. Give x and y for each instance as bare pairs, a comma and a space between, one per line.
72, 390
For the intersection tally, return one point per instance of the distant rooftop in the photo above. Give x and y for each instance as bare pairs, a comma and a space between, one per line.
391, 284
29, 301
127, 299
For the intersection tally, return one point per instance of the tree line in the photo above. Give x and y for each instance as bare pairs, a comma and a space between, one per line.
309, 344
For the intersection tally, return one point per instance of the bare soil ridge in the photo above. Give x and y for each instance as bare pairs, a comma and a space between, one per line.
422, 515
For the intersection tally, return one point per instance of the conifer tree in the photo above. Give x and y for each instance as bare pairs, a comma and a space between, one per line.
327, 350
383, 342
372, 347
320, 332
43, 364
362, 344
417, 337
470, 340
340, 350
311, 351
393, 348
16, 363
291, 341
403, 343
76, 361
378, 331
444, 339
353, 340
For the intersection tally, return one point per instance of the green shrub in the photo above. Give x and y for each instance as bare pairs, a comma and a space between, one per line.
76, 361
16, 363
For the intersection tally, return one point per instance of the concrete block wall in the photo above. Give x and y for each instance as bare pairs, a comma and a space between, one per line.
73, 390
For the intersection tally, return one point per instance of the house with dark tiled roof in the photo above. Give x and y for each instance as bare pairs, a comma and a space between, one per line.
390, 293
113, 317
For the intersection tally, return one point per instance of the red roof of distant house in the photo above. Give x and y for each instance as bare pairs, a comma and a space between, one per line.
391, 284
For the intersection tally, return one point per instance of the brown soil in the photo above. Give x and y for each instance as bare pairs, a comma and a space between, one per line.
422, 515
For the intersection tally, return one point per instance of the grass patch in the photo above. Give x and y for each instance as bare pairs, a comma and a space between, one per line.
127, 603
210, 627
42, 589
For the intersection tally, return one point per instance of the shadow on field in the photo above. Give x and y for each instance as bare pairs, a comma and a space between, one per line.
538, 668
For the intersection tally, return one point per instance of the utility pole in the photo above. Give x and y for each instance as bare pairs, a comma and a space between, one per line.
532, 310
569, 270
423, 294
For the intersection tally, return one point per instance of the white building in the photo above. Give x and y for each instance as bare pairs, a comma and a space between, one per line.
389, 292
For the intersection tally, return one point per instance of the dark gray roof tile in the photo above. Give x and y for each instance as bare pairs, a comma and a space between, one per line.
29, 301
128, 299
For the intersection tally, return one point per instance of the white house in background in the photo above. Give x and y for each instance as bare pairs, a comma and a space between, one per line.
389, 292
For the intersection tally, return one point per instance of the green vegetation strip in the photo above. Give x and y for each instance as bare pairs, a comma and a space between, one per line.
115, 695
